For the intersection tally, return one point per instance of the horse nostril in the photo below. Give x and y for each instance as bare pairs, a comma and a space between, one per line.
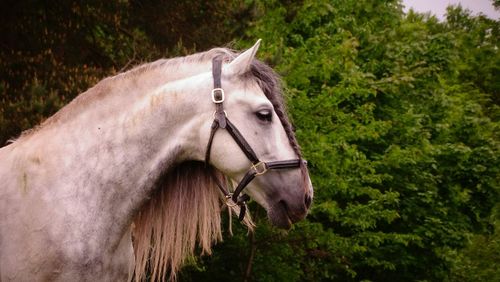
307, 200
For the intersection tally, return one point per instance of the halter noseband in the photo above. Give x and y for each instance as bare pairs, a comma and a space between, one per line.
221, 121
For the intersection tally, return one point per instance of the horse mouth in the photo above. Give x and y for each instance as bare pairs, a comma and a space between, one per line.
281, 216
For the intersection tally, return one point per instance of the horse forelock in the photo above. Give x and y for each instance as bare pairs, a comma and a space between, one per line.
270, 83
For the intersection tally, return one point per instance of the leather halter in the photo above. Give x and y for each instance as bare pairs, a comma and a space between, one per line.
258, 167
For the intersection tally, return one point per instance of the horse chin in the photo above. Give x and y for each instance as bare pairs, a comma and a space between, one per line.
278, 216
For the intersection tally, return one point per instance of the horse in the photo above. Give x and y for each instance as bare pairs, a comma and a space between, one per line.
129, 179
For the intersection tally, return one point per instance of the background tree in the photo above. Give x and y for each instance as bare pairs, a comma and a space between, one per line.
398, 117
51, 51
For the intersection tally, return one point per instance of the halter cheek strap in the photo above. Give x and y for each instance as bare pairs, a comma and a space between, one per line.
221, 121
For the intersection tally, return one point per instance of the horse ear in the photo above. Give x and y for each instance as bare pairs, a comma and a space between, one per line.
242, 63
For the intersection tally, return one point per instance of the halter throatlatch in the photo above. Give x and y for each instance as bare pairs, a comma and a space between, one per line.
258, 167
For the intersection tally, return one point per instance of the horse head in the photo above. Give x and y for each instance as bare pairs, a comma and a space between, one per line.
258, 148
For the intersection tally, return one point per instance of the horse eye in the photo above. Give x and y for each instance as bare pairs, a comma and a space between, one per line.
264, 115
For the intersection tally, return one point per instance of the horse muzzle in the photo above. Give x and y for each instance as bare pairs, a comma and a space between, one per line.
284, 213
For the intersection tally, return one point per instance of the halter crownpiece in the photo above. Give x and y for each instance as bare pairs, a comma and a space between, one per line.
258, 167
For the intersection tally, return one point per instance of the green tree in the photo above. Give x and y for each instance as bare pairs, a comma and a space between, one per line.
396, 115
52, 51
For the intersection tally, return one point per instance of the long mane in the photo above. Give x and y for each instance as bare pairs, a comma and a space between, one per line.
186, 209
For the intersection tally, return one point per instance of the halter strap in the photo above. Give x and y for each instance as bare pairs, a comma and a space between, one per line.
221, 121
218, 94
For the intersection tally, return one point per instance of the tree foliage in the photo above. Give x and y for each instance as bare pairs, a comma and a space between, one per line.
398, 116
51, 51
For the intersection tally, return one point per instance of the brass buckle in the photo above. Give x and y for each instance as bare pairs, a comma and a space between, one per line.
260, 168
228, 198
214, 99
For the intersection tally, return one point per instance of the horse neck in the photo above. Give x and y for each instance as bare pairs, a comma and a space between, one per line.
107, 158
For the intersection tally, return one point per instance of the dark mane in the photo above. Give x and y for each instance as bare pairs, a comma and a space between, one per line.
270, 83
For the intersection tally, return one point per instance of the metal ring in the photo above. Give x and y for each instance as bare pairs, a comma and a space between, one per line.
228, 198
260, 165
223, 96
